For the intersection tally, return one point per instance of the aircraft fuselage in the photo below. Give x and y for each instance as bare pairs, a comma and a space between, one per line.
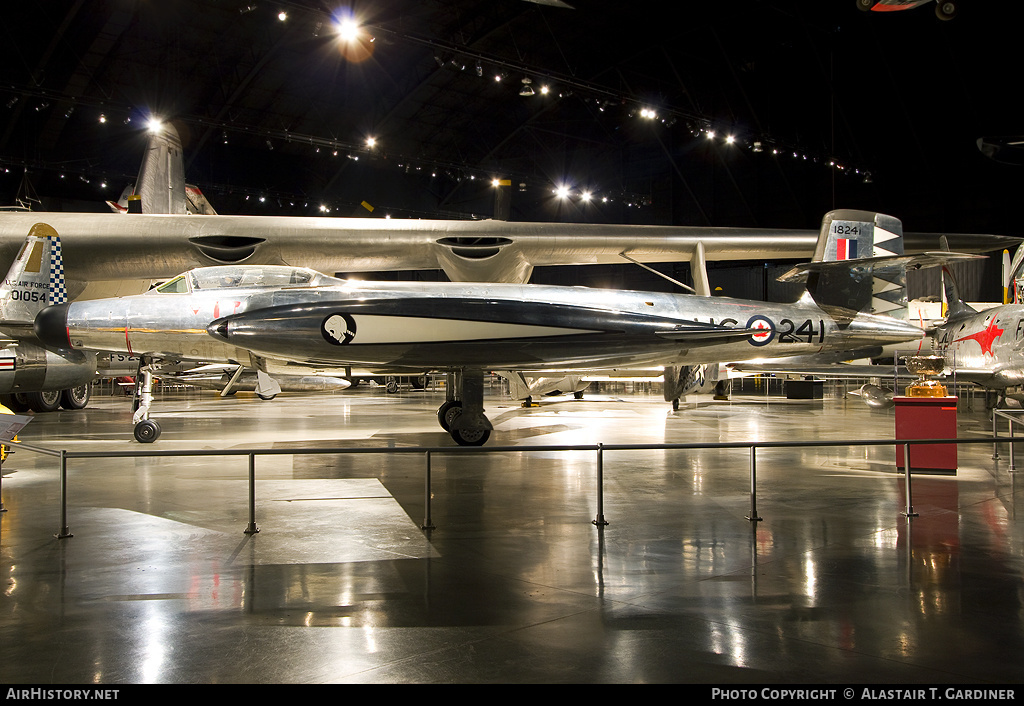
987, 347
450, 326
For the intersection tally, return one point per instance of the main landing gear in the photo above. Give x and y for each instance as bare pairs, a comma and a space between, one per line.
462, 414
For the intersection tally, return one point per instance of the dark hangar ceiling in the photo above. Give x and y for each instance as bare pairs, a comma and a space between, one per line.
274, 113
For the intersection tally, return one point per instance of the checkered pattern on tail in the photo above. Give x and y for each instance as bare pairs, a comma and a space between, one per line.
58, 292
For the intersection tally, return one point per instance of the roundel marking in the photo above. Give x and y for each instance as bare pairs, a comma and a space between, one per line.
338, 329
761, 322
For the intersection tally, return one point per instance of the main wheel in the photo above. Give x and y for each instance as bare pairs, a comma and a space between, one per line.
76, 397
470, 437
13, 403
446, 413
147, 431
43, 401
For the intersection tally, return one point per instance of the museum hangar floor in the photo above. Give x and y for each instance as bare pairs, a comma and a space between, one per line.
160, 583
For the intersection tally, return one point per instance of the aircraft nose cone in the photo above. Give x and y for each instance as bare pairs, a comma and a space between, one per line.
51, 326
219, 329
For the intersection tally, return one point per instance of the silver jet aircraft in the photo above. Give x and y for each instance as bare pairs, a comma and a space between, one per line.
986, 347
265, 314
170, 228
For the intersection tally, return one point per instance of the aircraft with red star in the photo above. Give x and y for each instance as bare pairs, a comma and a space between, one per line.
987, 347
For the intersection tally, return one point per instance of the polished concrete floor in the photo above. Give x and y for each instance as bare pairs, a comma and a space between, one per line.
160, 584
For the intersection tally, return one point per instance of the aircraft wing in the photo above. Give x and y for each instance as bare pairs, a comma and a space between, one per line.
114, 247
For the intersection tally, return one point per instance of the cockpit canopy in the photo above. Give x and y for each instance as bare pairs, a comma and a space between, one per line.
241, 277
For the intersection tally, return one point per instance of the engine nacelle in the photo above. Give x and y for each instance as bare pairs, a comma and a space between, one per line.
30, 368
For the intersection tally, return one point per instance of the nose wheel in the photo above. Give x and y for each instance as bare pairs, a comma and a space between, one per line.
147, 431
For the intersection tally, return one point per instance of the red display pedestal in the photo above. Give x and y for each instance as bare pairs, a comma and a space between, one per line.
927, 418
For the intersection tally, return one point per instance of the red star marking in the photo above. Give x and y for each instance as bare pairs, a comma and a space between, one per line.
985, 337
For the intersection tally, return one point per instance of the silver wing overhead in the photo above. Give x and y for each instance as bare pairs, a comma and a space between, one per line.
113, 247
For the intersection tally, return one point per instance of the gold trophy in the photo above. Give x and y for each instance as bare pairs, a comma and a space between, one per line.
923, 366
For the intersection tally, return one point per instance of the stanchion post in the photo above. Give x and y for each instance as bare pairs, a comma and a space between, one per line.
599, 521
2, 508
995, 435
252, 528
1009, 425
909, 512
753, 516
428, 523
64, 531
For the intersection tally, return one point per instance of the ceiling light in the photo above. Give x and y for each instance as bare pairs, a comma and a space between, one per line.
527, 89
282, 16
371, 142
348, 29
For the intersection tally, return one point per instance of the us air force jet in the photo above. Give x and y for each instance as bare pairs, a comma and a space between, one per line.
267, 315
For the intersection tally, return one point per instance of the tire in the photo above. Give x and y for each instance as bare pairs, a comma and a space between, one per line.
265, 397
391, 385
43, 401
12, 403
147, 431
470, 437
445, 415
76, 397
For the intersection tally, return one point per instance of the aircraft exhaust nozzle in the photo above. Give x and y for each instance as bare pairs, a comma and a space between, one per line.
880, 330
51, 326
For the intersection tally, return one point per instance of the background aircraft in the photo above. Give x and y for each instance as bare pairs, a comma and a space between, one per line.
263, 314
944, 9
983, 347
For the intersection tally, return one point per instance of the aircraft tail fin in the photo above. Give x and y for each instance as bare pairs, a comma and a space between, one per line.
161, 184
852, 237
36, 278
956, 307
859, 264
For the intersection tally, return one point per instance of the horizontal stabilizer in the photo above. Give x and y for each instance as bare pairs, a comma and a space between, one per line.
919, 262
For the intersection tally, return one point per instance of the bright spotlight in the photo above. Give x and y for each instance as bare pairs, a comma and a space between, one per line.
562, 192
348, 29
729, 139
586, 196
154, 125
711, 134
371, 141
